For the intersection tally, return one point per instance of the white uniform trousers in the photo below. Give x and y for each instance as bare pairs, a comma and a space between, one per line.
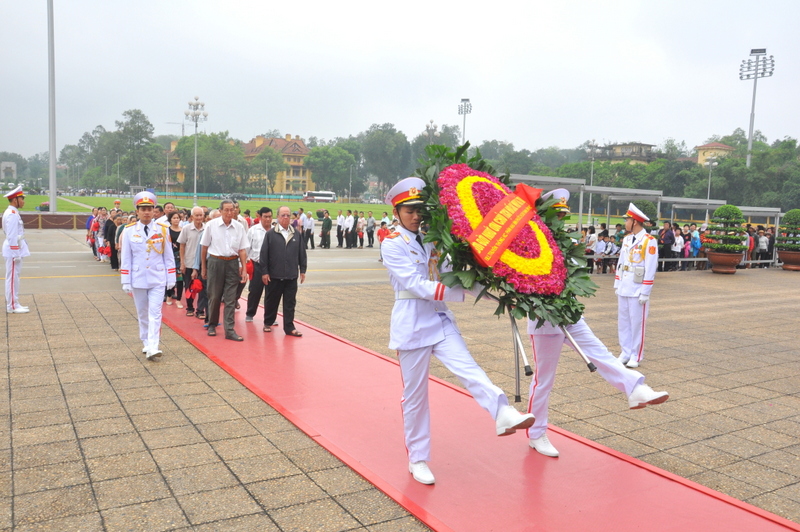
13, 271
414, 366
631, 323
546, 352
148, 306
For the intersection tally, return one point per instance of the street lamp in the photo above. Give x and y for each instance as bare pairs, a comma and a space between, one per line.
464, 108
196, 113
760, 67
711, 162
432, 130
591, 150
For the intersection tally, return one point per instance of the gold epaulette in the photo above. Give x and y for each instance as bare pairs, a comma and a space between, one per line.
130, 224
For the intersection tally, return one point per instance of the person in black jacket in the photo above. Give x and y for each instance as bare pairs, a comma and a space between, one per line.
281, 260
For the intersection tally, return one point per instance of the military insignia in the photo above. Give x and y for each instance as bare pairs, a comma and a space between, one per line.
651, 250
413, 191
393, 235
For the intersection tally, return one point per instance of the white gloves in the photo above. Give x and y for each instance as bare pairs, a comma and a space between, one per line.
643, 299
18, 260
170, 286
616, 292
128, 289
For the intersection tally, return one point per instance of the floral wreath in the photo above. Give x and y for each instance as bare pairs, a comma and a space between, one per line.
538, 275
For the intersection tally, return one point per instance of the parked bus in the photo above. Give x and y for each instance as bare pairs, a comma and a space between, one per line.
320, 196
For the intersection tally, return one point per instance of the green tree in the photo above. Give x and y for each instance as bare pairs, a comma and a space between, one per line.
386, 153
331, 166
9, 157
136, 133
270, 160
220, 162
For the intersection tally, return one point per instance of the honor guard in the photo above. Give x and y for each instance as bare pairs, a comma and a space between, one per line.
547, 342
636, 270
14, 249
147, 269
422, 326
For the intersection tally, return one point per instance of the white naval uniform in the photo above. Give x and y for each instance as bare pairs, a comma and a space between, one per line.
148, 265
14, 249
640, 249
423, 325
547, 341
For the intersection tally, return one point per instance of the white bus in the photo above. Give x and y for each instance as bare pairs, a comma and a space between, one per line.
320, 196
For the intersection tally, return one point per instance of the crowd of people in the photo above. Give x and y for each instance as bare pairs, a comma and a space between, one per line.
675, 242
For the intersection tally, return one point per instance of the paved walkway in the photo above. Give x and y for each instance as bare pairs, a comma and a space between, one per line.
96, 438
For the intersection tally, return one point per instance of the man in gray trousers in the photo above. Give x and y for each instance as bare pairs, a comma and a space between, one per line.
223, 260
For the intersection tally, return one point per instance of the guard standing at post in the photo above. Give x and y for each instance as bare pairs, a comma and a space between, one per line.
422, 326
147, 271
15, 248
633, 282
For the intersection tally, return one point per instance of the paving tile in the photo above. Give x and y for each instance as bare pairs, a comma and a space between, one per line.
210, 414
90, 522
286, 491
46, 434
200, 478
48, 477
186, 402
735, 445
130, 490
112, 445
248, 523
226, 429
773, 502
37, 404
291, 440
703, 455
263, 467
267, 425
93, 412
103, 427
146, 406
244, 447
758, 475
321, 516
313, 459
371, 506
120, 465
404, 524
184, 456
727, 485
40, 419
160, 420
48, 453
171, 437
164, 514
52, 504
339, 480
206, 506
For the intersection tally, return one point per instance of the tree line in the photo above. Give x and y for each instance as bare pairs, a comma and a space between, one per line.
131, 155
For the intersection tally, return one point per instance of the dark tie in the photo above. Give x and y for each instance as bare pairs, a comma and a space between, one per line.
419, 241
146, 230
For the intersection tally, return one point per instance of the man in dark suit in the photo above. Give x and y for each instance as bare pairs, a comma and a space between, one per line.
282, 259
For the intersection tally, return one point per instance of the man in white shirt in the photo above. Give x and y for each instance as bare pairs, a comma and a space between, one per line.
308, 229
349, 230
188, 240
222, 243
169, 208
340, 228
255, 237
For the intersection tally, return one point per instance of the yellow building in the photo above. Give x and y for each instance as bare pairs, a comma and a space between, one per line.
635, 152
298, 178
714, 149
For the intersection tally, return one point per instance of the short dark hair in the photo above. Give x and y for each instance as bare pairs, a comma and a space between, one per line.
264, 210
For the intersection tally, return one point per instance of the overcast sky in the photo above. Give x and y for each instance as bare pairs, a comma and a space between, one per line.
538, 73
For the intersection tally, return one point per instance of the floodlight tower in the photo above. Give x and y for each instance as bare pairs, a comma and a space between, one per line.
464, 108
196, 113
759, 67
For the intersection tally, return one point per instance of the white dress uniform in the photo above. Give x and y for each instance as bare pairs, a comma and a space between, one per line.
547, 341
147, 264
15, 248
422, 326
633, 289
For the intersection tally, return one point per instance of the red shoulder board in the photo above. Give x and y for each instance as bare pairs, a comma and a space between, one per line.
392, 235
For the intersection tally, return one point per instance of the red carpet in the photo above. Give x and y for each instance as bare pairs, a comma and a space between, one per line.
347, 398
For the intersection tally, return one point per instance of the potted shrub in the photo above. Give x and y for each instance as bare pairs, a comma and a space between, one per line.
725, 251
787, 240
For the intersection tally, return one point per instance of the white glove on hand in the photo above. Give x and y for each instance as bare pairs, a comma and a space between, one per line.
643, 299
170, 286
616, 292
18, 260
128, 289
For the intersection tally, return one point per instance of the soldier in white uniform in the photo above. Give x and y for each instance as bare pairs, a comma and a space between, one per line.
15, 248
547, 341
146, 270
636, 271
422, 326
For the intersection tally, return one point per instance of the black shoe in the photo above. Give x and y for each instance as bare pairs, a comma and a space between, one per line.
233, 336
212, 331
